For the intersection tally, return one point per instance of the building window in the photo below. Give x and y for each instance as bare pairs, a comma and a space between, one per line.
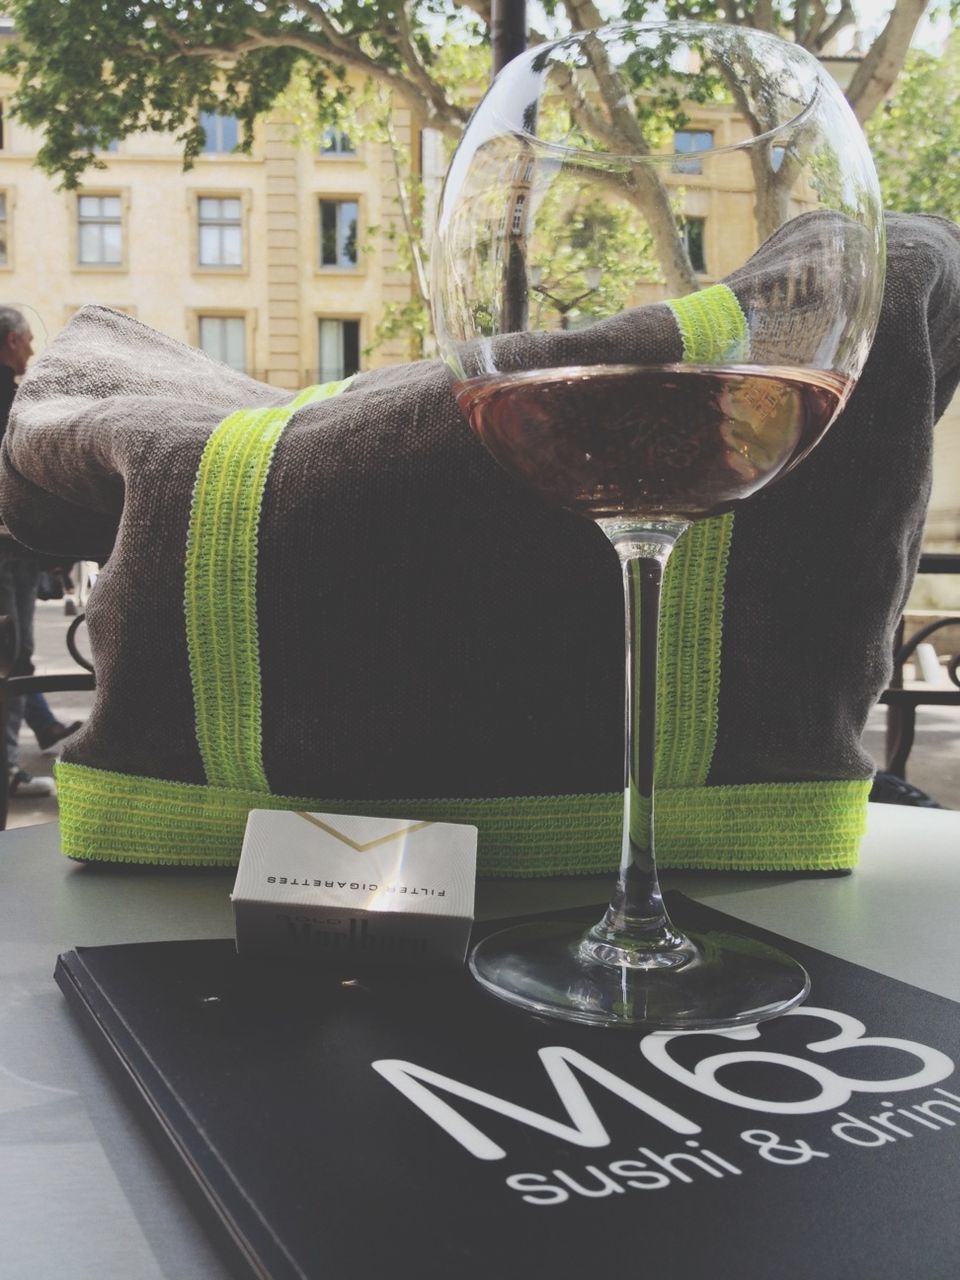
220, 222
339, 349
694, 238
100, 223
686, 140
338, 233
516, 227
4, 254
224, 338
221, 133
337, 143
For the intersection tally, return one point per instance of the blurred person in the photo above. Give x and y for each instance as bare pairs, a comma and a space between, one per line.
49, 732
18, 583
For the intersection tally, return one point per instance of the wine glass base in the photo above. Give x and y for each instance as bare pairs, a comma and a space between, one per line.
725, 981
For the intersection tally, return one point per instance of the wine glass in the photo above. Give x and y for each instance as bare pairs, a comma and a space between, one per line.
587, 189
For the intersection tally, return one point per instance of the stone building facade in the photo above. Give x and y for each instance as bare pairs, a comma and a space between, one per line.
266, 261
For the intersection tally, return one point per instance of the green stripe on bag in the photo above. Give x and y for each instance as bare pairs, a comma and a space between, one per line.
220, 589
712, 326
118, 817
714, 331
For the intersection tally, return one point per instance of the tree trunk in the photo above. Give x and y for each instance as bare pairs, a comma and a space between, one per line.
772, 192
883, 62
653, 200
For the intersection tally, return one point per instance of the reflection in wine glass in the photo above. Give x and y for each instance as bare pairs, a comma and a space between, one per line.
648, 415
563, 306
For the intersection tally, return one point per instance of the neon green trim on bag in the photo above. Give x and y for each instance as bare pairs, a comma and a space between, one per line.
688, 675
118, 817
220, 590
712, 325
714, 331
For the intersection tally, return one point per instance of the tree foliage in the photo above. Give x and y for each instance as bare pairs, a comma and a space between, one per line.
91, 71
915, 138
577, 231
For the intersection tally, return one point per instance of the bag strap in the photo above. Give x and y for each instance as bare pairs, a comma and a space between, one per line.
220, 589
714, 331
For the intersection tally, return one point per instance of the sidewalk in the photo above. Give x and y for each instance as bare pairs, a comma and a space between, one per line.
934, 762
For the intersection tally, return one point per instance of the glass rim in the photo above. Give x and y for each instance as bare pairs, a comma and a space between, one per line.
598, 158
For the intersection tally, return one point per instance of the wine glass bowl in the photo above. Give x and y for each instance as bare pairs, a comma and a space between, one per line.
670, 440
648, 323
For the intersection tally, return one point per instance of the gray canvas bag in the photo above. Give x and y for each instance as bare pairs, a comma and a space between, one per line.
339, 602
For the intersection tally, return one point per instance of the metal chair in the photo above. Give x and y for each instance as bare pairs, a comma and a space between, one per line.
902, 703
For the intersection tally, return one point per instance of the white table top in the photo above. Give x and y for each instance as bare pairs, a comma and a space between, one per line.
83, 1196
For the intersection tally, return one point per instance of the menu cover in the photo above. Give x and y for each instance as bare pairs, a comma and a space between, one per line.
344, 1126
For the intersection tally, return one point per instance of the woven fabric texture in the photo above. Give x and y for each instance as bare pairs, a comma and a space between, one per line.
425, 627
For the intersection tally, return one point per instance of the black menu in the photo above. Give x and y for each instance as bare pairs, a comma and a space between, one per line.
334, 1124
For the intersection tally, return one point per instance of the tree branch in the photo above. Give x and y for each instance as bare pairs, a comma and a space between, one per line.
406, 214
247, 44
801, 20
591, 120
583, 14
418, 73
622, 119
875, 76
624, 134
816, 17
317, 14
763, 17
845, 17
771, 187
417, 88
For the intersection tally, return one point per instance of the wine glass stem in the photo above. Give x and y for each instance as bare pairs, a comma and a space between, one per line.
636, 929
